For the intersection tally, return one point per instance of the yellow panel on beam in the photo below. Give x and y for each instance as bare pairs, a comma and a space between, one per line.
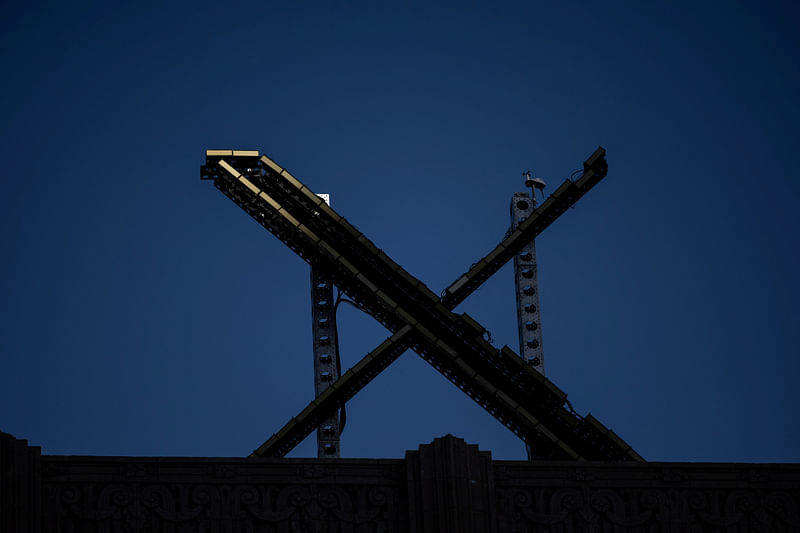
350, 228
618, 441
400, 333
258, 452
408, 277
305, 412
247, 183
511, 238
493, 255
311, 235
562, 189
270, 200
595, 423
368, 245
546, 204
485, 384
388, 301
508, 352
385, 345
387, 260
285, 214
465, 368
427, 292
328, 248
450, 351
291, 179
569, 451
555, 390
338, 383
229, 169
363, 279
311, 196
330, 390
524, 413
635, 456
512, 356
271, 164
364, 362
446, 313
589, 174
245, 153
535, 375
325, 208
426, 333
473, 324
458, 284
347, 264
505, 398
472, 272
219, 153
287, 427
568, 417
405, 316
546, 432
528, 222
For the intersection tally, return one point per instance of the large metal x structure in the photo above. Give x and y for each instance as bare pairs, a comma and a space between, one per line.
498, 379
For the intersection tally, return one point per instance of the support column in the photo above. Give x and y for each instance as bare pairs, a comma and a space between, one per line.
526, 284
326, 357
326, 354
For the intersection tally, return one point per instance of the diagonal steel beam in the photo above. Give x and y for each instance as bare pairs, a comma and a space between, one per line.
299, 427
472, 382
493, 378
479, 383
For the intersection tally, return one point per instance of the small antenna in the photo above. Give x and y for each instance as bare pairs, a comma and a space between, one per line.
534, 184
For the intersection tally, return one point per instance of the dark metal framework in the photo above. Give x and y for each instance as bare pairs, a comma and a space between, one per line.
526, 283
499, 380
326, 357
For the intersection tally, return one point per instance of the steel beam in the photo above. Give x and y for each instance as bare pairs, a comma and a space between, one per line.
498, 380
326, 357
526, 284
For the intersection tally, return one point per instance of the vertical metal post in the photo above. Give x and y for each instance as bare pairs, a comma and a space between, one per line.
526, 283
326, 354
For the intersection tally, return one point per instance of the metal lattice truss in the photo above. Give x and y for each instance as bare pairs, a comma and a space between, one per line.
499, 380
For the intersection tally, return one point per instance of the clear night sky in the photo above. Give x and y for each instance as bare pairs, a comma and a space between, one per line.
143, 313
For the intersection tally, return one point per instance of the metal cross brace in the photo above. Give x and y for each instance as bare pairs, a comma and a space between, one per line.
497, 379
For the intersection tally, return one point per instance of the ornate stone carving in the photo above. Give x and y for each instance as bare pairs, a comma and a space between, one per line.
697, 498
228, 497
444, 487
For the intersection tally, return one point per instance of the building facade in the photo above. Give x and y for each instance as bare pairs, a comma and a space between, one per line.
445, 486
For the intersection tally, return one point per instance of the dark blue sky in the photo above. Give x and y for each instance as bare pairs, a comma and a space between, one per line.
144, 314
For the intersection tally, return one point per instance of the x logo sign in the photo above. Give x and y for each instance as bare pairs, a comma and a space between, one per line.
499, 380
